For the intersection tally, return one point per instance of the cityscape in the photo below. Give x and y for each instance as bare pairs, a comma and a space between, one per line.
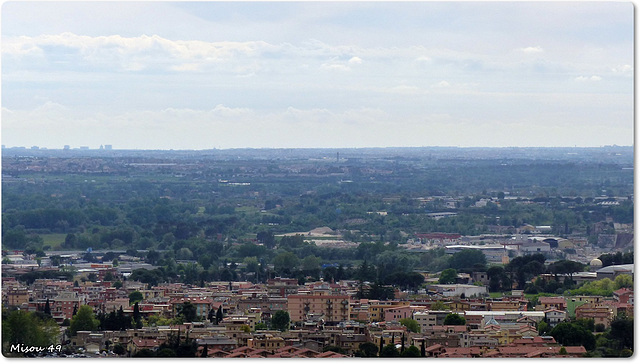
332, 253
306, 179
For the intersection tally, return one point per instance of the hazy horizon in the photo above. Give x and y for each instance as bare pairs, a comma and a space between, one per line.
283, 75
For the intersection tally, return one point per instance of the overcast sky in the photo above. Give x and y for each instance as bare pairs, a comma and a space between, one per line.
202, 75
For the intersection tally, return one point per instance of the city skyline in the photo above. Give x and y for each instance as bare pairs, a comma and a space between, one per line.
204, 75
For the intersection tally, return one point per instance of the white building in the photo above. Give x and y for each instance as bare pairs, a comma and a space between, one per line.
457, 290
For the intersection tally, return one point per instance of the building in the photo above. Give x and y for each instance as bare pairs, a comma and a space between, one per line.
600, 314
547, 303
459, 290
334, 308
623, 295
429, 319
612, 271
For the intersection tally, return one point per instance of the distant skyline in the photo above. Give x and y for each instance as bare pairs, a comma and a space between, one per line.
204, 75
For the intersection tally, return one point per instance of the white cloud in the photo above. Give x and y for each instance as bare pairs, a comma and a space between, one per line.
134, 53
335, 67
442, 84
593, 78
625, 69
355, 60
536, 49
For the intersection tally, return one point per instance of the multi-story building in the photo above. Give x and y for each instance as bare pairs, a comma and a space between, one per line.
282, 287
266, 342
267, 305
66, 303
429, 319
334, 308
601, 314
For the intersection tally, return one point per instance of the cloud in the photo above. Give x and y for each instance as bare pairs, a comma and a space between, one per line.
133, 53
355, 60
335, 67
588, 79
537, 49
625, 69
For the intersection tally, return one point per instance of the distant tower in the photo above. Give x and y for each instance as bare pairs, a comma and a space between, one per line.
337, 156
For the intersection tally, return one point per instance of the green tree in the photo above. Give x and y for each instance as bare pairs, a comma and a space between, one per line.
390, 351
467, 258
286, 263
135, 296
119, 349
622, 332
367, 350
84, 320
571, 334
411, 324
448, 276
47, 308
454, 319
280, 320
219, 315
623, 281
137, 317
26, 328
411, 352
189, 311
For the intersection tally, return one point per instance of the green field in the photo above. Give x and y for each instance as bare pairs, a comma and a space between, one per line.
53, 240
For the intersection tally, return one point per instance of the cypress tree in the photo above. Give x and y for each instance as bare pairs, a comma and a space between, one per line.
47, 308
381, 345
219, 316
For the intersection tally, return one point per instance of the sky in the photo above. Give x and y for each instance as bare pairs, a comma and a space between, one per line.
204, 75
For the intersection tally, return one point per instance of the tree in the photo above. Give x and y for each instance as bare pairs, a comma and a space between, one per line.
438, 306
219, 315
280, 320
367, 350
335, 349
411, 324
189, 311
467, 258
389, 351
119, 349
454, 319
266, 238
26, 328
135, 296
84, 320
571, 334
623, 281
622, 332
285, 263
47, 308
448, 276
411, 352
137, 317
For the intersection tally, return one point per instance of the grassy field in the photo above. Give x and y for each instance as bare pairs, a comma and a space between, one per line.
53, 240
